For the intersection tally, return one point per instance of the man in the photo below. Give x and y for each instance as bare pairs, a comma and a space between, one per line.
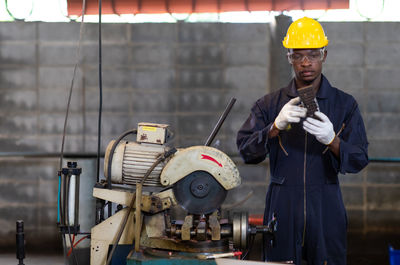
306, 154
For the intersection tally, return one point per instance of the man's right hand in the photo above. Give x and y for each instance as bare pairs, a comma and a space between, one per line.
290, 113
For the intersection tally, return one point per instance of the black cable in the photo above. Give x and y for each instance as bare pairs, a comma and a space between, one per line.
252, 238
65, 128
110, 158
100, 97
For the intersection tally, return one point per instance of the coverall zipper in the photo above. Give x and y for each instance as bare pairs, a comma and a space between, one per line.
304, 190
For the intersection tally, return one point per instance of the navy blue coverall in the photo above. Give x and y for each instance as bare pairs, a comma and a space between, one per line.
304, 191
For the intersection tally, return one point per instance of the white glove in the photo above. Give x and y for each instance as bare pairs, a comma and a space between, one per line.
322, 130
290, 113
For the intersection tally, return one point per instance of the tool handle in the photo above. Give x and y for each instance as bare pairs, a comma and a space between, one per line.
220, 121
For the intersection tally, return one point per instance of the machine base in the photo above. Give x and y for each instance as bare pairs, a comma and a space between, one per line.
173, 258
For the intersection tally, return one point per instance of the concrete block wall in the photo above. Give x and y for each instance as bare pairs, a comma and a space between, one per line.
362, 60
184, 75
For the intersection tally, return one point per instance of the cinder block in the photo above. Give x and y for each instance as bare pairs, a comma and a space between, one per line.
155, 78
245, 99
47, 192
155, 54
16, 143
198, 55
59, 77
112, 78
110, 32
18, 192
154, 101
28, 169
382, 32
113, 101
348, 79
246, 32
247, 78
67, 54
352, 196
254, 173
384, 147
19, 124
53, 123
18, 78
115, 54
18, 101
153, 32
352, 178
383, 198
51, 100
90, 144
48, 216
345, 54
187, 141
344, 32
200, 32
196, 124
228, 145
26, 31
382, 54
52, 143
355, 220
112, 124
24, 54
9, 215
200, 78
383, 102
383, 173
59, 32
202, 101
57, 54
379, 79
247, 54
383, 220
382, 126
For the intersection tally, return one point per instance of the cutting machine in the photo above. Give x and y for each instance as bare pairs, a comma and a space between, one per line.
151, 181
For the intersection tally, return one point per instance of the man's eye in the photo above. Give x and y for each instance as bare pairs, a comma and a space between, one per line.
314, 56
297, 56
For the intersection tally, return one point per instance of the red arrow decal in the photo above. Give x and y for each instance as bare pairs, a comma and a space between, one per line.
211, 159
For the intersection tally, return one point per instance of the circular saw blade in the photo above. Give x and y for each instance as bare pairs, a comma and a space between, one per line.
199, 193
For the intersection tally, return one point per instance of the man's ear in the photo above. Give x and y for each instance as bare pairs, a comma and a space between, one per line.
325, 54
288, 59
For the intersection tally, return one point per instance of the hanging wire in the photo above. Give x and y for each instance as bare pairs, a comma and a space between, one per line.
78, 57
12, 15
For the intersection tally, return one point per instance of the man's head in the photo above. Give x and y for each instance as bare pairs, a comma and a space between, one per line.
306, 42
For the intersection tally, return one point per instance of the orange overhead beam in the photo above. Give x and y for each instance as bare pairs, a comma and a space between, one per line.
199, 6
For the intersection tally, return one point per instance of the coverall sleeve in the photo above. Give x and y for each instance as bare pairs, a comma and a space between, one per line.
252, 137
353, 146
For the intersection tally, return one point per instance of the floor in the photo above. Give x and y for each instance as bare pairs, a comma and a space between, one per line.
370, 249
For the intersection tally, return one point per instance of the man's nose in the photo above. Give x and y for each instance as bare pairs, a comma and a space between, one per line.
305, 60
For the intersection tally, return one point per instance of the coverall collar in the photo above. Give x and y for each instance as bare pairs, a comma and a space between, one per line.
323, 91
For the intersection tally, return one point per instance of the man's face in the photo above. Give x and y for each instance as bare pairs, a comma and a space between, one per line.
307, 63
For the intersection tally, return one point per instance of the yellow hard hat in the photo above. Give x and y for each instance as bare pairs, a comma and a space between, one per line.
305, 33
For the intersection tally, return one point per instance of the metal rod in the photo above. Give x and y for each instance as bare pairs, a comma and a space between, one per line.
20, 242
220, 122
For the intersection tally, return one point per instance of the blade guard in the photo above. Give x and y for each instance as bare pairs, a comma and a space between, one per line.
205, 158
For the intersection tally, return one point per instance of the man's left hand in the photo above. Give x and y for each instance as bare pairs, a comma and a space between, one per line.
322, 129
